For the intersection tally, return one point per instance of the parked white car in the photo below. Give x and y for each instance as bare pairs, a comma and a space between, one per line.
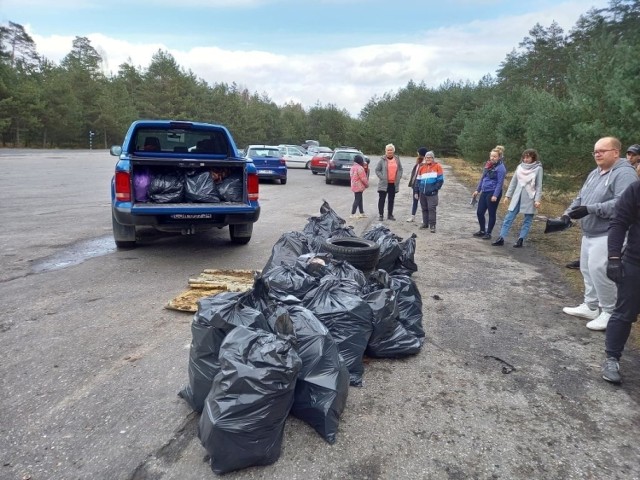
295, 156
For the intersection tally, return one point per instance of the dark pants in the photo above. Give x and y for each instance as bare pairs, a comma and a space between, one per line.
428, 205
484, 204
625, 313
414, 205
382, 196
357, 203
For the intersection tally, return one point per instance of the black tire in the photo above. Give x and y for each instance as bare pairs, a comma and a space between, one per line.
122, 234
307, 166
359, 252
283, 181
241, 234
327, 180
315, 173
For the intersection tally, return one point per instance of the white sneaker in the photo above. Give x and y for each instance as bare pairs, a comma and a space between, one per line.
600, 323
583, 311
363, 215
411, 219
353, 215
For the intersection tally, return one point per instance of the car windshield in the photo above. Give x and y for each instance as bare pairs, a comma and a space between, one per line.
264, 152
345, 156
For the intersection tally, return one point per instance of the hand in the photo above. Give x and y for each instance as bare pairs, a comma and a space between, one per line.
578, 212
416, 196
506, 200
474, 194
494, 198
615, 270
536, 204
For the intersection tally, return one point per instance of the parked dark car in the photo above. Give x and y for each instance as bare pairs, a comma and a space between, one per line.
268, 161
340, 164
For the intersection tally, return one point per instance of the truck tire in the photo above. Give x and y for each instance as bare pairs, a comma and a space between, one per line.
241, 234
359, 252
124, 236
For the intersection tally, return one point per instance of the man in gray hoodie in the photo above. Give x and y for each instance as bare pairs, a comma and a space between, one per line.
594, 207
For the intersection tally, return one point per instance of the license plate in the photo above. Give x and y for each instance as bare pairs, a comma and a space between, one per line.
191, 216
266, 172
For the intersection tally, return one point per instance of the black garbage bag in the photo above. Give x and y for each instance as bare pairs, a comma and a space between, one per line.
243, 420
409, 304
215, 318
343, 231
230, 188
348, 318
323, 381
199, 187
553, 225
389, 338
405, 264
287, 249
345, 271
318, 229
377, 280
288, 283
390, 249
258, 297
315, 264
166, 187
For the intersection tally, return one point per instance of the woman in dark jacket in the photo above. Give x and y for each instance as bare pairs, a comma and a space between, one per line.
490, 190
422, 151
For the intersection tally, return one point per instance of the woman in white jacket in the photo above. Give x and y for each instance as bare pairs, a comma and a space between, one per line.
523, 195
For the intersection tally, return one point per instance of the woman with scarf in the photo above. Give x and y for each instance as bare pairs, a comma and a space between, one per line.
525, 192
490, 190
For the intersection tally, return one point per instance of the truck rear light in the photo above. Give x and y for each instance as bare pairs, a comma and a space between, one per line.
283, 162
123, 186
252, 186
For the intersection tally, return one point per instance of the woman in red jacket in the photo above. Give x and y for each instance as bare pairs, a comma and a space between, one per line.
359, 182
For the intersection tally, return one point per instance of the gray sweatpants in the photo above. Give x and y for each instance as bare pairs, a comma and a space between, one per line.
599, 291
428, 205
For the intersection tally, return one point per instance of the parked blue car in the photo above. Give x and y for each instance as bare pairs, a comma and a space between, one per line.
268, 161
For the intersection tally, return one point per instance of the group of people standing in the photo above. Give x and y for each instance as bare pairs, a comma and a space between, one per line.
426, 180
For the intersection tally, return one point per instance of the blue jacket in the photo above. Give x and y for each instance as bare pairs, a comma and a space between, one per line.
492, 179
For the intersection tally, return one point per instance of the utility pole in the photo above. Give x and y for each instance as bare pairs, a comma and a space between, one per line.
91, 135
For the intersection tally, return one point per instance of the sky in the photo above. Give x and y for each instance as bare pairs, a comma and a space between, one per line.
313, 52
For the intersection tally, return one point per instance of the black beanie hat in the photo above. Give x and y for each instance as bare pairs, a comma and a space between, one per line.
422, 151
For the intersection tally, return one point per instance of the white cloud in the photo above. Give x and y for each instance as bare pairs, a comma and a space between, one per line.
348, 77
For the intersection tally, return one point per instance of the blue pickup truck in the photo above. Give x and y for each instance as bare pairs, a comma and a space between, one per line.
184, 177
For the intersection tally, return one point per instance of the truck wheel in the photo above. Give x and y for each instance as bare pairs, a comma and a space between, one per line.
359, 252
241, 234
283, 181
124, 236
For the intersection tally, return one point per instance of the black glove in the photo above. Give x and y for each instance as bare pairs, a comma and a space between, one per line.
615, 270
566, 219
578, 212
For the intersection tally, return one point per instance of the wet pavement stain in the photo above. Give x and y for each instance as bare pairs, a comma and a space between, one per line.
75, 254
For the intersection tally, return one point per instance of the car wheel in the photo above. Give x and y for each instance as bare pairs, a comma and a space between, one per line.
307, 166
327, 180
283, 181
359, 252
241, 234
124, 236
314, 172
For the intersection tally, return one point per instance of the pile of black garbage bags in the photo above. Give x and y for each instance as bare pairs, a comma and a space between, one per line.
296, 341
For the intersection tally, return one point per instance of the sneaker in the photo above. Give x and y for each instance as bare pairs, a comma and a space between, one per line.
391, 217
433, 229
600, 322
479, 233
583, 311
574, 265
486, 236
611, 370
423, 226
411, 219
353, 215
380, 217
499, 242
363, 215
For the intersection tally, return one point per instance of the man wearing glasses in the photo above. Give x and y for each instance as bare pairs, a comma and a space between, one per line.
594, 207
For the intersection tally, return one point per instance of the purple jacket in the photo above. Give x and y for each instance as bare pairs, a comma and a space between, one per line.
492, 179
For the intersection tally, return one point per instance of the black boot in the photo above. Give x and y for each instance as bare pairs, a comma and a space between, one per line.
519, 243
499, 242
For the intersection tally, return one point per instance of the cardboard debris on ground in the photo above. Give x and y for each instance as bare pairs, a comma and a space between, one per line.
211, 282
